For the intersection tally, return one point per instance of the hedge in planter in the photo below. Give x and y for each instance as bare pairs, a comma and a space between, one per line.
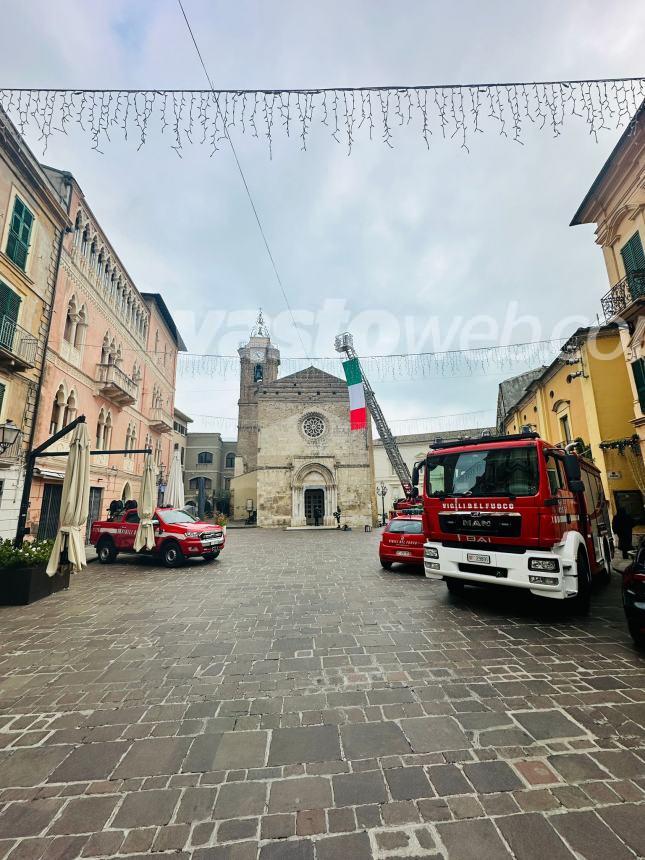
22, 573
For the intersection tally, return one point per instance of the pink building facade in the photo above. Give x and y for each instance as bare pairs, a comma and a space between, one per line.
111, 356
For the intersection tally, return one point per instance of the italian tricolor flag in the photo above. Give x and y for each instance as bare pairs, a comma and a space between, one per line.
357, 410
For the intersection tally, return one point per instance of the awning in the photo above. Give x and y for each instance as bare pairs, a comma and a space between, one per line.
49, 473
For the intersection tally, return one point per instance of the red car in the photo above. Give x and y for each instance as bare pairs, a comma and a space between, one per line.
402, 541
178, 536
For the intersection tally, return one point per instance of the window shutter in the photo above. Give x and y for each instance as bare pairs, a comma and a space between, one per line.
2, 390
633, 254
638, 369
9, 303
19, 237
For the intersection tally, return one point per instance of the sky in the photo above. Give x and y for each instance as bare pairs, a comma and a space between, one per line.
407, 247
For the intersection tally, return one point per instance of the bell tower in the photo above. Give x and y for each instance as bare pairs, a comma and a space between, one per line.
259, 362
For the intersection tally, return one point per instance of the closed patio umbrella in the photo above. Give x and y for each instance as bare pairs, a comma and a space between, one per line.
174, 495
145, 536
74, 504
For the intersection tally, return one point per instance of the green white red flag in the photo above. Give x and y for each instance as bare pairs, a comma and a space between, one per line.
357, 410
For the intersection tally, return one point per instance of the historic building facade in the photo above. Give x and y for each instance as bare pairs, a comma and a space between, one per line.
297, 460
32, 224
210, 459
615, 203
112, 357
180, 434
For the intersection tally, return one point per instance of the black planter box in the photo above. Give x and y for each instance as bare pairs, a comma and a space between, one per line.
22, 585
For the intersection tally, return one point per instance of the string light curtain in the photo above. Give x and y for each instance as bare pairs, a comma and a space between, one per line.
458, 112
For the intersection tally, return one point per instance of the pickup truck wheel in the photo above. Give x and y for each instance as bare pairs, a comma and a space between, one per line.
210, 556
581, 603
171, 554
106, 551
386, 565
455, 586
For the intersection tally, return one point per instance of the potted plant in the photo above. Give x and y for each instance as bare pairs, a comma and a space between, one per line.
22, 573
221, 520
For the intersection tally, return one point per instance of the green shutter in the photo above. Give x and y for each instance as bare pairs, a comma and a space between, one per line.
20, 228
633, 254
2, 390
638, 369
9, 307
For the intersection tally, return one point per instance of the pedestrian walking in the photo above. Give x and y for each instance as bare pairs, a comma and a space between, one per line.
337, 517
622, 525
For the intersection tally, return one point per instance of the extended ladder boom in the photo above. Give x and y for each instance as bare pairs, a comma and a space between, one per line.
344, 343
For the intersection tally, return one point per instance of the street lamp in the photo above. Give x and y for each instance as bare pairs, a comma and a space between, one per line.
381, 491
8, 435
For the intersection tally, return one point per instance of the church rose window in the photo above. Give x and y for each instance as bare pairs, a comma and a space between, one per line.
313, 426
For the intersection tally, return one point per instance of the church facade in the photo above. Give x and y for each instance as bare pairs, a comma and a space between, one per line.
297, 459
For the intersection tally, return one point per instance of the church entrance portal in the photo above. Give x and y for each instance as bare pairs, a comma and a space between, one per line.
314, 504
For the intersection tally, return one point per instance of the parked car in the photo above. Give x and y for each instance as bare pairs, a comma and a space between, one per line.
634, 595
402, 541
178, 536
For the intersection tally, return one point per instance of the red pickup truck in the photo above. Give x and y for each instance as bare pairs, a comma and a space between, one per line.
178, 536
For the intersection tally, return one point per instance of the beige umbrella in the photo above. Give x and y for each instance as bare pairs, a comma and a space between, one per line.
145, 536
74, 504
174, 495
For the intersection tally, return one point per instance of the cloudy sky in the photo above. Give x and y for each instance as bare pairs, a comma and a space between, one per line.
402, 245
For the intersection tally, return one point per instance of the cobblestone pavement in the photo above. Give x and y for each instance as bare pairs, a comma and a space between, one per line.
294, 701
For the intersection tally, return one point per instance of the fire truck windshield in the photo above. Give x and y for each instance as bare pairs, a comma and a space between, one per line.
507, 472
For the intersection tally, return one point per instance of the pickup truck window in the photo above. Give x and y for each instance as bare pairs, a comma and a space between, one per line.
172, 517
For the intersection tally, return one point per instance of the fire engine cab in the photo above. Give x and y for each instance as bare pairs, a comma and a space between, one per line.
514, 511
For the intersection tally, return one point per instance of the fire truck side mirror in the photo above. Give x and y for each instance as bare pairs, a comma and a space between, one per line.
574, 475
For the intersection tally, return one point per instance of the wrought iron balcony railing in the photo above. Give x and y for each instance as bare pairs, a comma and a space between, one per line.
16, 344
623, 294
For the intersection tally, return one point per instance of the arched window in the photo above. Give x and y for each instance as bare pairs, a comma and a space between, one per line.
100, 430
81, 328
71, 321
158, 452
204, 458
130, 437
85, 240
193, 484
56, 422
230, 460
70, 408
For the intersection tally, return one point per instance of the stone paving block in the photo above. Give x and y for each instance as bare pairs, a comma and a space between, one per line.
472, 840
373, 739
238, 851
90, 761
283, 825
153, 756
355, 845
492, 776
144, 808
103, 844
434, 734
300, 849
29, 818
292, 795
408, 783
576, 767
309, 744
536, 772
627, 821
545, 725
84, 815
196, 804
620, 763
587, 834
240, 799
353, 789
448, 779
26, 767
531, 837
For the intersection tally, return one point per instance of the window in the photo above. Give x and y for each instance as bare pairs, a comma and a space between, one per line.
104, 431
22, 222
204, 458
638, 369
405, 527
193, 484
9, 308
313, 426
2, 391
63, 410
484, 472
632, 502
566, 428
555, 474
230, 460
634, 263
1, 490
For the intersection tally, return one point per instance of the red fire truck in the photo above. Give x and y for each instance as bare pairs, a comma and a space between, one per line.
515, 511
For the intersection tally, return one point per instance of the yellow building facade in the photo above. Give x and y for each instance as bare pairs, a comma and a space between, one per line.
586, 395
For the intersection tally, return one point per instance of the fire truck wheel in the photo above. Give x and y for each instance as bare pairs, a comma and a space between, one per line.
211, 556
582, 601
171, 554
386, 565
106, 551
455, 586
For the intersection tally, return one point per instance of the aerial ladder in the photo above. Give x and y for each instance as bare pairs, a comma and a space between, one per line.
345, 343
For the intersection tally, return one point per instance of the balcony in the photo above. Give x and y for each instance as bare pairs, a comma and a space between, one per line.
114, 384
625, 293
160, 421
17, 346
12, 455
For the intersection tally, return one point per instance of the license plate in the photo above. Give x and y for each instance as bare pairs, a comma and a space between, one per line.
478, 558
403, 552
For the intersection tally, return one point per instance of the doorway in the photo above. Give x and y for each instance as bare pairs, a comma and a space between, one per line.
50, 511
314, 503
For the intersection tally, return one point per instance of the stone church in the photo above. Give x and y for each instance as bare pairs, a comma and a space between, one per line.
297, 460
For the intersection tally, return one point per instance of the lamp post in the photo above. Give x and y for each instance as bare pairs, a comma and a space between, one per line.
381, 491
8, 435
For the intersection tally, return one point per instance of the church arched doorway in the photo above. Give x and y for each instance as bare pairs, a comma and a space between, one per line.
314, 506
